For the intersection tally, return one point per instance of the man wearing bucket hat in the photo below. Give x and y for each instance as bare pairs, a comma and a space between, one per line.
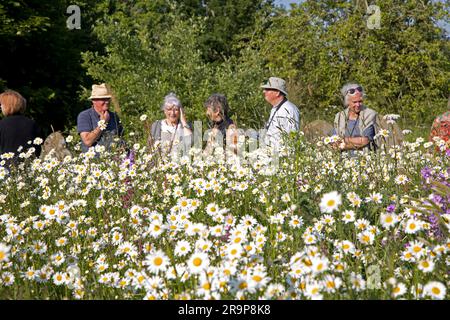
97, 125
284, 116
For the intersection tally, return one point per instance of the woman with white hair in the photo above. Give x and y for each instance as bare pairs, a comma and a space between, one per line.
356, 124
173, 132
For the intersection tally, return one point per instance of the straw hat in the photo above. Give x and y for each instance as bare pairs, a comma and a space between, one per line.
100, 91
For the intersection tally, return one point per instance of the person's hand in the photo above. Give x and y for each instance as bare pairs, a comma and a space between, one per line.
104, 115
183, 117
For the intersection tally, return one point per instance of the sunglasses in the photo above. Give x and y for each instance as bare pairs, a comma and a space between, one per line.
353, 90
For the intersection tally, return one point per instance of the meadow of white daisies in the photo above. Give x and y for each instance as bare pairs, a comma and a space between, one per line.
311, 225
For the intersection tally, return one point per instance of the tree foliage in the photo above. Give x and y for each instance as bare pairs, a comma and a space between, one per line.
144, 63
404, 65
41, 58
145, 49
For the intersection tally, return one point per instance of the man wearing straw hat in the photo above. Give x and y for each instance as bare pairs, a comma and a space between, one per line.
284, 116
98, 125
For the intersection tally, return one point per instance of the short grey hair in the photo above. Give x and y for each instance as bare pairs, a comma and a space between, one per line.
171, 100
348, 86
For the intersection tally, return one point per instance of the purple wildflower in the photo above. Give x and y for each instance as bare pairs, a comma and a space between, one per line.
390, 208
425, 172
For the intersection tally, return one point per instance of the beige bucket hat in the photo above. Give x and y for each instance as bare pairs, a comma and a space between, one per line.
276, 84
100, 91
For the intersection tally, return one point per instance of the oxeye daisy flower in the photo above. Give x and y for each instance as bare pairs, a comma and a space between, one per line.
366, 237
434, 289
319, 265
330, 202
416, 248
413, 226
157, 262
234, 251
182, 248
401, 179
198, 262
347, 246
296, 222
4, 252
398, 290
58, 258
348, 216
388, 220
426, 265
212, 209
58, 278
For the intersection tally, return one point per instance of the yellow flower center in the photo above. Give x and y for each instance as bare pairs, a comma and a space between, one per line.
436, 290
331, 203
197, 262
158, 261
206, 286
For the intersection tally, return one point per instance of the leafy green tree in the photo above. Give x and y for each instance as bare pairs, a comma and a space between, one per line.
404, 64
226, 21
41, 57
145, 60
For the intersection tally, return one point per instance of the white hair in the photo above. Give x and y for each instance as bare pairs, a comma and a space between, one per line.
171, 100
348, 86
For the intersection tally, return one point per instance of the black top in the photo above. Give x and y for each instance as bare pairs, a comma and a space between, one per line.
222, 125
15, 131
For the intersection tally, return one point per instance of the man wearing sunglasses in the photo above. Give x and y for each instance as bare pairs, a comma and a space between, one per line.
356, 124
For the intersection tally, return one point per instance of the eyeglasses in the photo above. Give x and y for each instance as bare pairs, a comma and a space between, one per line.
352, 91
102, 99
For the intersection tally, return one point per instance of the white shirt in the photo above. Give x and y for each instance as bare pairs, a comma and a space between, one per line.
168, 140
286, 119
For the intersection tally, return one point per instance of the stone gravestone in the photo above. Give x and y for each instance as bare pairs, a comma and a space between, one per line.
56, 142
317, 129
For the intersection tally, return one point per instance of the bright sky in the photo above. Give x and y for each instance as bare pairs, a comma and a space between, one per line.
287, 2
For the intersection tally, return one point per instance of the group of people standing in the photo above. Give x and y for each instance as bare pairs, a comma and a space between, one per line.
94, 125
355, 125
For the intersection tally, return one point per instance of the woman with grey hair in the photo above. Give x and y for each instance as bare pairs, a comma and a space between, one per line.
357, 123
174, 131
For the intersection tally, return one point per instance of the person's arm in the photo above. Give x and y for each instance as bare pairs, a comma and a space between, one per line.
355, 143
186, 128
360, 142
90, 137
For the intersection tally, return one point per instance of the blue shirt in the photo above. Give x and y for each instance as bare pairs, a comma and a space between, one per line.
87, 121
